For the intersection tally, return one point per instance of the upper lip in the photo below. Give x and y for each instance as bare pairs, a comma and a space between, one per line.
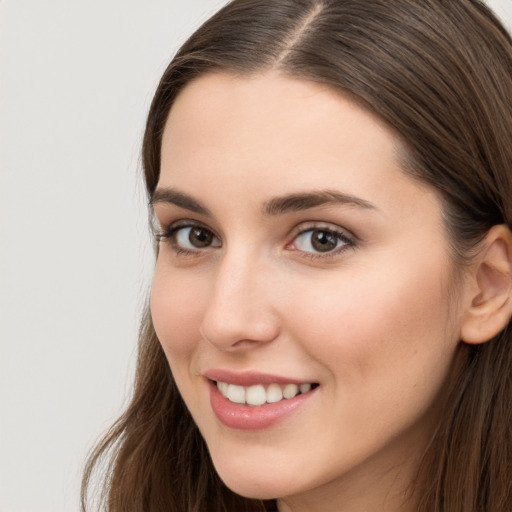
250, 378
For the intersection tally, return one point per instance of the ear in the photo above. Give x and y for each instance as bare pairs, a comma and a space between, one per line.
489, 305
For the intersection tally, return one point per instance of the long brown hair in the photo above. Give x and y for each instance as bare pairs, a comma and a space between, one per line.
439, 73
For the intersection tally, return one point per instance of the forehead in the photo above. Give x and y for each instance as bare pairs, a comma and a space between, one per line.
232, 136
272, 116
272, 102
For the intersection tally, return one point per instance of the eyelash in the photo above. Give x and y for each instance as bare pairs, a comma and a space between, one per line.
169, 235
349, 240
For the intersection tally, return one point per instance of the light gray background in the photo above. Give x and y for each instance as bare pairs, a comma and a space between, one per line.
76, 81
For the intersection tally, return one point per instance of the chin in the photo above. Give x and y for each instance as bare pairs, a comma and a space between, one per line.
255, 484
254, 488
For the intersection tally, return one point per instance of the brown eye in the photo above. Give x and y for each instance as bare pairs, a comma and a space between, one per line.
321, 241
193, 238
200, 237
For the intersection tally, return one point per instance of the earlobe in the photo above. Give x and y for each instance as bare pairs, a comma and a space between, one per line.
489, 306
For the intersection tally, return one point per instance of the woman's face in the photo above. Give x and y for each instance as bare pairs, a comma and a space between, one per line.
297, 257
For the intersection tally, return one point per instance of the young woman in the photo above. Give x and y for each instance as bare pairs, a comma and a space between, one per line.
330, 183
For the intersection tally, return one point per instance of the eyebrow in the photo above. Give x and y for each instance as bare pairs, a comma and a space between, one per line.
307, 200
172, 196
276, 206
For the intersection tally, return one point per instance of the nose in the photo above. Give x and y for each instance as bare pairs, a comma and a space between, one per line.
240, 313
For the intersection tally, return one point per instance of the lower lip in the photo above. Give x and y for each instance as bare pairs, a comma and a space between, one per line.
247, 417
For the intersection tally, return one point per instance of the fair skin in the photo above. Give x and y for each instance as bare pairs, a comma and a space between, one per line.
365, 313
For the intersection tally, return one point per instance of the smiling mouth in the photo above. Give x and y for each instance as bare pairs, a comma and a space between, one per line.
260, 394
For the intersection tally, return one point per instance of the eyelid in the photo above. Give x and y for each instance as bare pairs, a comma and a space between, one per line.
321, 225
167, 229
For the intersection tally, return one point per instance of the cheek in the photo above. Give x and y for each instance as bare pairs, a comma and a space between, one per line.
380, 323
176, 310
387, 349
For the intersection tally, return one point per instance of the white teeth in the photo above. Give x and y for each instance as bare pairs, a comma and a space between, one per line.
290, 390
258, 395
274, 393
236, 394
304, 388
223, 386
